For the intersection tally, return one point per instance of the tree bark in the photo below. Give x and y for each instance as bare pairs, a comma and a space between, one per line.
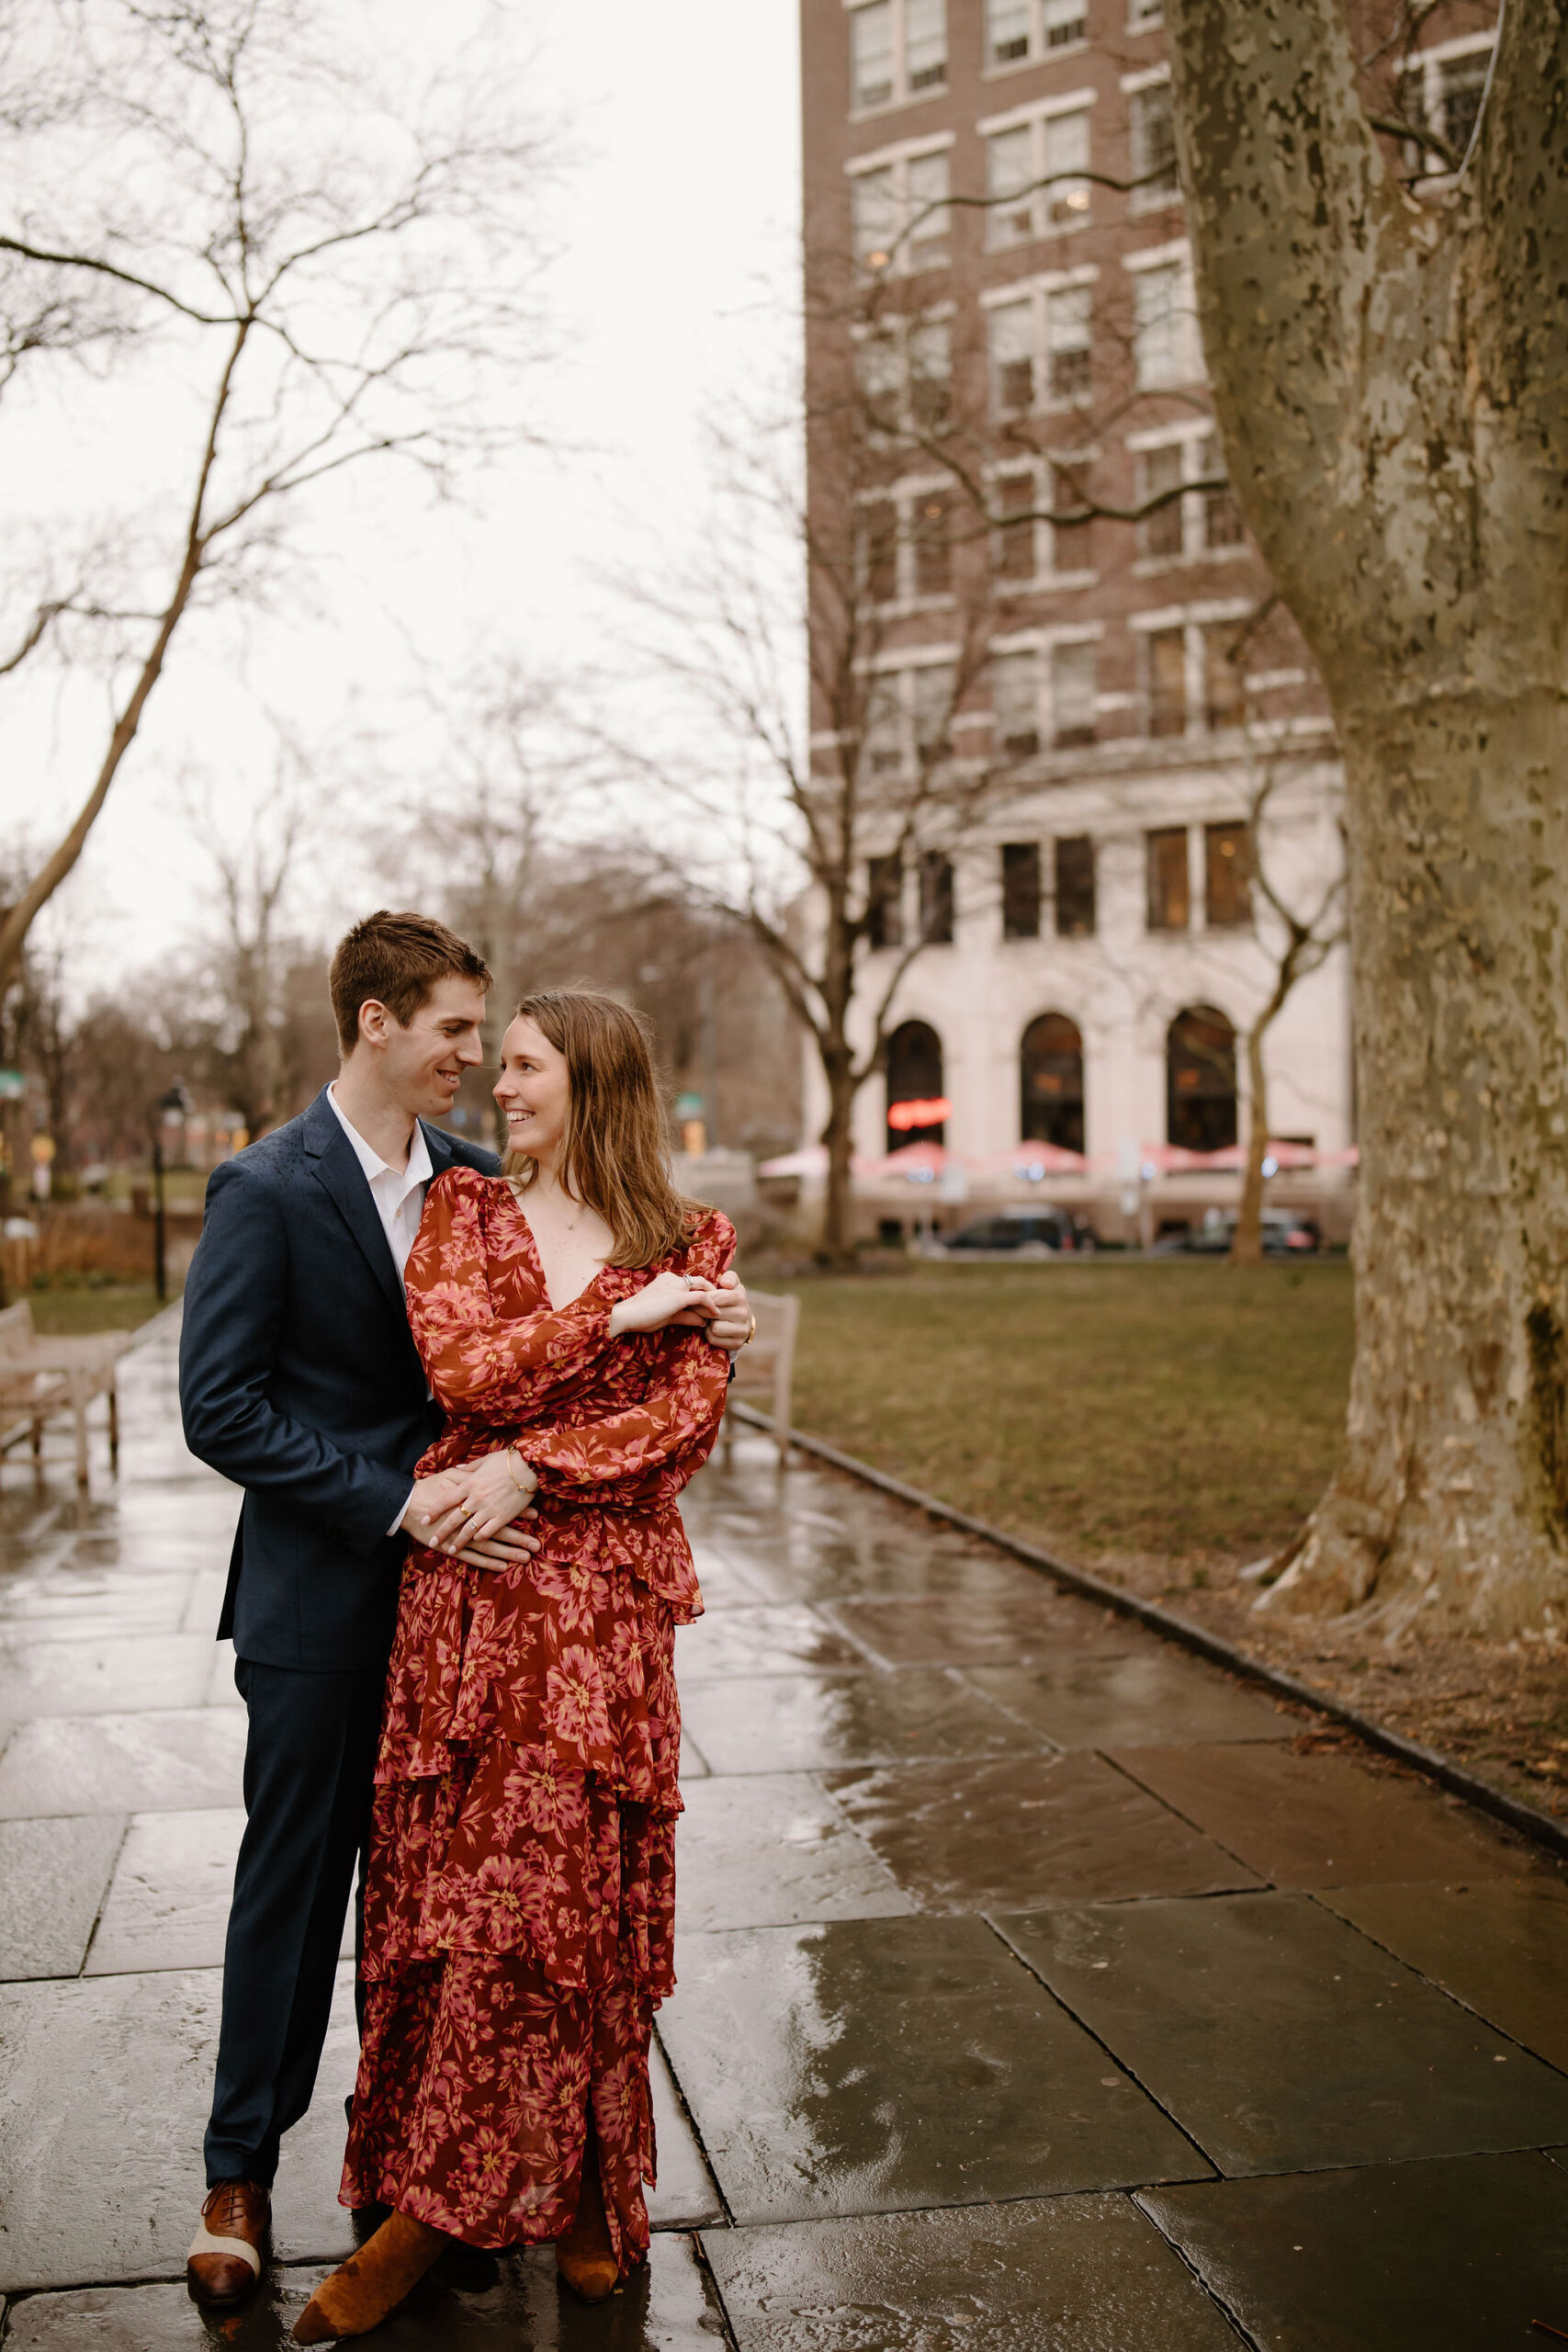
1389, 377
1246, 1249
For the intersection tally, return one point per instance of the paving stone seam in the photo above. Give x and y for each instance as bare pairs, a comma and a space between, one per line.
126, 1820
695, 2128
1226, 2312
1115, 2057
1428, 1761
1316, 1894
1268, 1885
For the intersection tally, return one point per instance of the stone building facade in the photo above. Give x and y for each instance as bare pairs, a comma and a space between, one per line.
996, 253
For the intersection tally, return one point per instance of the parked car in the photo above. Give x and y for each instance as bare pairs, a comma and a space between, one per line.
1023, 1233
1285, 1234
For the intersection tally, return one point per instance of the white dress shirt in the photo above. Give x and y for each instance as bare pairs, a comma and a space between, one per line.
397, 1192
399, 1196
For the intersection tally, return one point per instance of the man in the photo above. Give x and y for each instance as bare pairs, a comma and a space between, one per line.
300, 1380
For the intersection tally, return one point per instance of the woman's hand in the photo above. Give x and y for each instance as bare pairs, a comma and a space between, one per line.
471, 1513
668, 1298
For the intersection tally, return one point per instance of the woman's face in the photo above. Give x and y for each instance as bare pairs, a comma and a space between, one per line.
532, 1090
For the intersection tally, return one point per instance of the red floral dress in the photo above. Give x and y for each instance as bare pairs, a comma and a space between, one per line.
520, 1908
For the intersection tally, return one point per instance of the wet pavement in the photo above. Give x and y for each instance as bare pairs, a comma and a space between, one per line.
1040, 1990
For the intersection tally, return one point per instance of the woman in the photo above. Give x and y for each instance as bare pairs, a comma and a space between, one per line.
520, 1903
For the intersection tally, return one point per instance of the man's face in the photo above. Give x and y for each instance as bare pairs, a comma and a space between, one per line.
423, 1064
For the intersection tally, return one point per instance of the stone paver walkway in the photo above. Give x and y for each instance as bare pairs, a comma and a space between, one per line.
1041, 1989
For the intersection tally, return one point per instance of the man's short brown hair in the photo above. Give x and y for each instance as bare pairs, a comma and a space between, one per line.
399, 961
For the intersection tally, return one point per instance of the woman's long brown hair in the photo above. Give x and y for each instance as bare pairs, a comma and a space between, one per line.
614, 1156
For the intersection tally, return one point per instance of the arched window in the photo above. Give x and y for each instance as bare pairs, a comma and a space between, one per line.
1050, 1076
1199, 1067
914, 1075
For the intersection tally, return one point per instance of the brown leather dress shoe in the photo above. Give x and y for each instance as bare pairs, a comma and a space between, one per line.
225, 2259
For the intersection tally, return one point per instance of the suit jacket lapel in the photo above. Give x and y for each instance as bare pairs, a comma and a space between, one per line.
439, 1146
341, 1176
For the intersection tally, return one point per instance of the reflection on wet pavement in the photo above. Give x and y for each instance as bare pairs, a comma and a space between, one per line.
1038, 1992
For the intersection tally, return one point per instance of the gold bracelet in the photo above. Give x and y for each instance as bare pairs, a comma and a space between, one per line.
512, 1473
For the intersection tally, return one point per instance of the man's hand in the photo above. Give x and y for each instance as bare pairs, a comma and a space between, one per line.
471, 1514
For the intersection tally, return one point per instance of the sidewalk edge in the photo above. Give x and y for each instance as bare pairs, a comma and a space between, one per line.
1434, 1766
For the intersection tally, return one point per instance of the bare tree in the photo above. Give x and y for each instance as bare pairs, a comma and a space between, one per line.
240, 1007
832, 769
240, 193
1389, 374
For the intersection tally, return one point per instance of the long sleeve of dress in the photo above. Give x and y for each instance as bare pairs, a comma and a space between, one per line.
678, 1416
474, 1360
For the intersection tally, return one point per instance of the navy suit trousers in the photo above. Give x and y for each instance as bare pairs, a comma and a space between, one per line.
310, 1756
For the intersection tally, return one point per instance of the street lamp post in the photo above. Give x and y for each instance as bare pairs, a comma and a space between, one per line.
170, 1108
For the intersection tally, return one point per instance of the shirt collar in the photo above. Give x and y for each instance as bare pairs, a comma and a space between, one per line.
418, 1170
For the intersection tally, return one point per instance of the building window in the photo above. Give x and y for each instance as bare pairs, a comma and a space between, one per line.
905, 376
1163, 473
1442, 91
1072, 541
1204, 524
1031, 177
1162, 328
1225, 687
1073, 694
1038, 343
1068, 321
884, 732
1009, 186
914, 1075
1065, 21
1144, 11
925, 35
1199, 1058
1223, 526
1170, 895
1015, 705
900, 220
1013, 555
879, 551
909, 720
931, 534
1021, 889
929, 345
1154, 147
884, 901
897, 49
1227, 887
936, 898
1074, 886
1165, 651
1009, 25
1018, 30
1051, 1071
1012, 328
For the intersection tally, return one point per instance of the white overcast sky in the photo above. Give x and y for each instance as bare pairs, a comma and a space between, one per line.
677, 208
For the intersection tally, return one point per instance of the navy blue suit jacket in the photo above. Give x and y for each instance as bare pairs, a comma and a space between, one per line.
300, 1380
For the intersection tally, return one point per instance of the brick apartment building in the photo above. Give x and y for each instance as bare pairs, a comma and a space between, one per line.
1003, 367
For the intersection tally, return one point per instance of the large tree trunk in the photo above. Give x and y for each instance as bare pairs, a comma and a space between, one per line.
1390, 382
1452, 1495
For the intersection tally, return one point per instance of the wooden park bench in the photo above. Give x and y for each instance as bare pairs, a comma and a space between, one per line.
766, 1368
41, 1379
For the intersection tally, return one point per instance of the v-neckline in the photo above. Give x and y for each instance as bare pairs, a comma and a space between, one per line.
538, 1261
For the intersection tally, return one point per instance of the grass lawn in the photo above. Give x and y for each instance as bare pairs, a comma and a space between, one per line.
118, 1306
1117, 1410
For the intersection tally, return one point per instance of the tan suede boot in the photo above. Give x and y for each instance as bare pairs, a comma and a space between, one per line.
373, 2282
584, 2257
